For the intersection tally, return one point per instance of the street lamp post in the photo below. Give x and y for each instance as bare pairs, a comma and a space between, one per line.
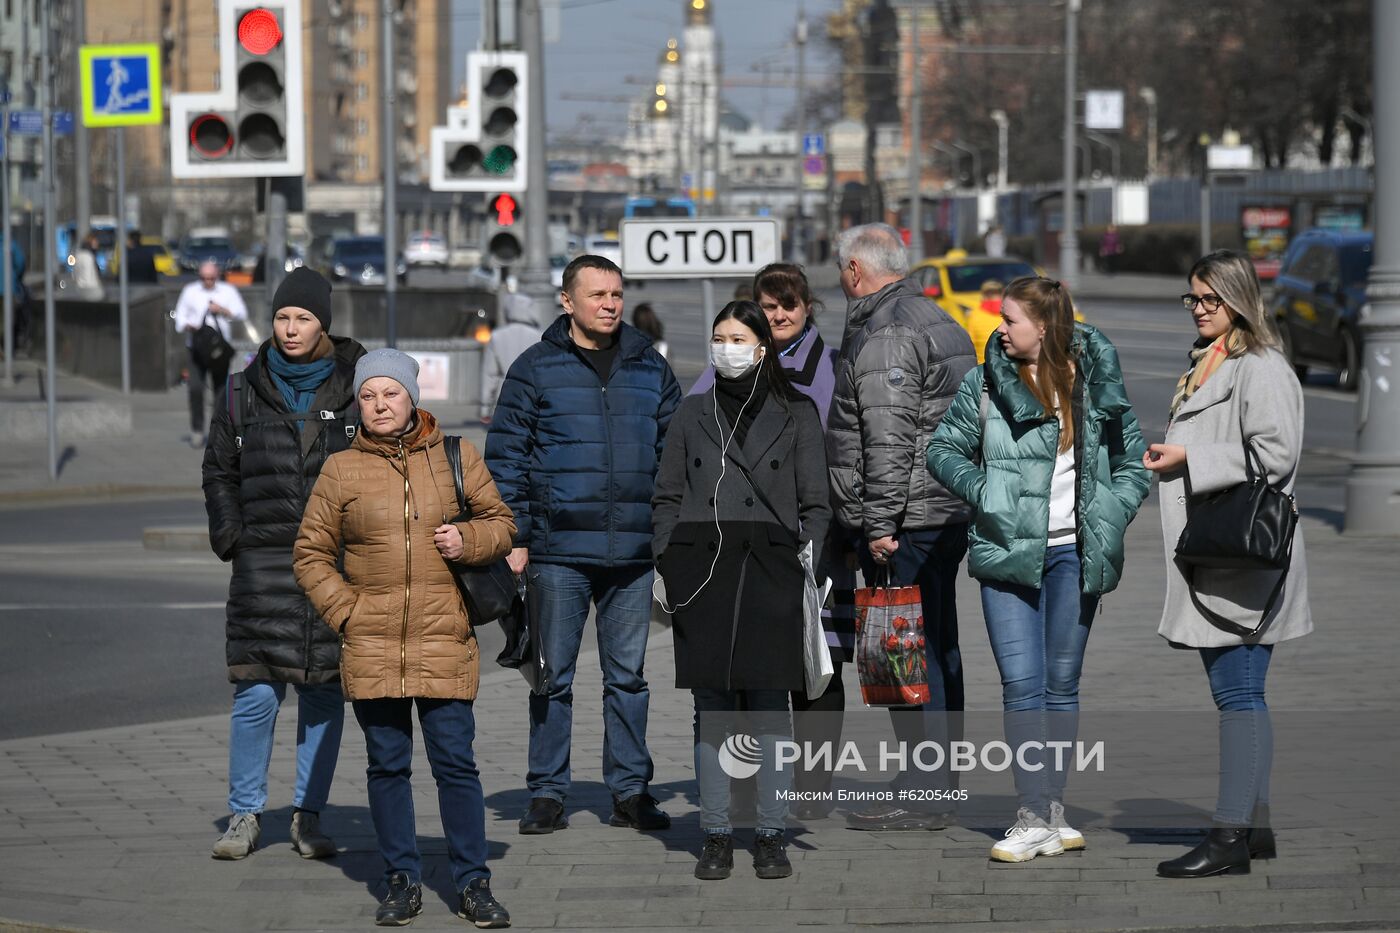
1003, 125
799, 252
916, 162
1069, 233
1150, 96
1373, 489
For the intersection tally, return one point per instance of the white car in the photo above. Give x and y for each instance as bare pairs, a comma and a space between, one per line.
606, 246
426, 249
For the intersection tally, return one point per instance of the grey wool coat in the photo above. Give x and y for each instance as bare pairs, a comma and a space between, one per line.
743, 631
1254, 397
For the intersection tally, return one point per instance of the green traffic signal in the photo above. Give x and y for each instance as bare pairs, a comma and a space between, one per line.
500, 160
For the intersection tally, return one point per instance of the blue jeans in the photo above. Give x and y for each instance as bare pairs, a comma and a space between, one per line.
929, 558
448, 730
320, 717
1237, 676
765, 714
623, 598
1038, 636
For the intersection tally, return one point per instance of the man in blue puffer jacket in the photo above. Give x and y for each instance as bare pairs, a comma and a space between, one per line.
574, 448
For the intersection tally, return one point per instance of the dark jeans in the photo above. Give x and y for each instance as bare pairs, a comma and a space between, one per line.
448, 730
823, 725
1237, 676
929, 558
218, 376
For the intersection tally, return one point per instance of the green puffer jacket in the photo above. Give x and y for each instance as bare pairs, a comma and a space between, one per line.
1004, 468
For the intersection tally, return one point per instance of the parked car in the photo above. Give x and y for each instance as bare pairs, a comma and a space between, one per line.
426, 248
606, 246
360, 260
557, 264
203, 243
1318, 299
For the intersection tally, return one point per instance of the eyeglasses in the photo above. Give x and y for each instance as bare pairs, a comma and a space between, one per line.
1212, 302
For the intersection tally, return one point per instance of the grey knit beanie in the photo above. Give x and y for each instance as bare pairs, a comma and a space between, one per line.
395, 364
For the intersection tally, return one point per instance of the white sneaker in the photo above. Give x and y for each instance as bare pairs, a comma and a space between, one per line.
1029, 837
1070, 837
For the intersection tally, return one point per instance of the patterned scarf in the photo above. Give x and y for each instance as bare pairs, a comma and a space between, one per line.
1205, 360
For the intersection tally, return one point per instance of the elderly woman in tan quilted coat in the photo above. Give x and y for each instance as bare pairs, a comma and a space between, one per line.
406, 637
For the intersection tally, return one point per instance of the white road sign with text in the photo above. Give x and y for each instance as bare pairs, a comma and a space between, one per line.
698, 247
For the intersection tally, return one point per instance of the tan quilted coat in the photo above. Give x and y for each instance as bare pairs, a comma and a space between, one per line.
403, 627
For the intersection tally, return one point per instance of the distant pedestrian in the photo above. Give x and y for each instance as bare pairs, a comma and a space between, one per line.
1240, 402
521, 331
646, 320
140, 261
19, 298
375, 554
1110, 248
87, 280
1042, 442
995, 241
284, 415
216, 303
983, 320
900, 364
743, 291
729, 554
574, 449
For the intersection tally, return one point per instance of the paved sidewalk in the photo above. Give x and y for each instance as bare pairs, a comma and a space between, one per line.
110, 830
147, 453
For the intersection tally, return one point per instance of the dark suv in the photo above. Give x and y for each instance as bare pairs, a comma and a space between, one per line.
1317, 301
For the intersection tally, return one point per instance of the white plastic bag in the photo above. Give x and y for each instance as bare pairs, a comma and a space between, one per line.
816, 656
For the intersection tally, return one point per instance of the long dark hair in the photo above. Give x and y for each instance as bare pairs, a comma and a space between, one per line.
751, 316
1048, 302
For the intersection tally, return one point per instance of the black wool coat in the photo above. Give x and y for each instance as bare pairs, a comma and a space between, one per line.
743, 631
255, 495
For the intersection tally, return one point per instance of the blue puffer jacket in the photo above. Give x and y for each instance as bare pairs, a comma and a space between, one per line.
575, 459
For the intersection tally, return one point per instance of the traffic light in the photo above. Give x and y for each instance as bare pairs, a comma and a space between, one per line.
505, 234
483, 146
254, 125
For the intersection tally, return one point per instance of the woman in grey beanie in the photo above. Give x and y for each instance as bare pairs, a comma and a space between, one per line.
387, 505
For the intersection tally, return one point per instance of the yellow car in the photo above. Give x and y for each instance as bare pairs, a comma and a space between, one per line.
160, 255
954, 282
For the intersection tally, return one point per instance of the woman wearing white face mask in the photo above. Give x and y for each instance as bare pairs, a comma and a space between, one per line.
741, 490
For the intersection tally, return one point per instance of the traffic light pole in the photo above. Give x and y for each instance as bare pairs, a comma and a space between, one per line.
391, 194
7, 270
1069, 230
1373, 489
534, 277
50, 244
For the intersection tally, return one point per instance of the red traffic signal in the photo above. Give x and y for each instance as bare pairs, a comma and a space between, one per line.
506, 209
259, 32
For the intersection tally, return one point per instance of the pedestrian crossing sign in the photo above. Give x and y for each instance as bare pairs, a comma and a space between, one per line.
120, 85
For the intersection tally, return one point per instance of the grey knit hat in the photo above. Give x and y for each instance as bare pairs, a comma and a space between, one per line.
395, 364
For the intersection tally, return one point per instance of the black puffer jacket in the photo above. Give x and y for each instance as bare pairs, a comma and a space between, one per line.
255, 495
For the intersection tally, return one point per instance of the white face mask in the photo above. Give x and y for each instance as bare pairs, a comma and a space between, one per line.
732, 360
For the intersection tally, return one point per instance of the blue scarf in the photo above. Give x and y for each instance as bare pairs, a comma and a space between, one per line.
298, 382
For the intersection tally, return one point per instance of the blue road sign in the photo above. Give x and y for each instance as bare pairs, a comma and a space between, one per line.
120, 84
814, 144
63, 123
27, 122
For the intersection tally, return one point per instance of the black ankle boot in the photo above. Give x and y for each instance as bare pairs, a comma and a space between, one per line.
1261, 837
1225, 851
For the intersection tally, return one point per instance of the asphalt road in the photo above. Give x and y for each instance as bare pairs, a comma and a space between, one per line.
99, 631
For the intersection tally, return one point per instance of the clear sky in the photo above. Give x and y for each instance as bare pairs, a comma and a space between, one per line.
603, 43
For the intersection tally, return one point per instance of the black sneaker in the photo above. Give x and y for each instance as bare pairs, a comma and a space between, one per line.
716, 858
403, 902
544, 816
639, 812
481, 907
769, 857
891, 817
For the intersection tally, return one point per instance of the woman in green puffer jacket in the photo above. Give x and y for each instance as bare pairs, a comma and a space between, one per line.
1042, 441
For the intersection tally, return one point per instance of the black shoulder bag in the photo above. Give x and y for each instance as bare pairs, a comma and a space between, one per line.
1245, 527
209, 346
490, 590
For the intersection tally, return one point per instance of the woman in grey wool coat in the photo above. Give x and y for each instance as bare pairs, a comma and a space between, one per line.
741, 490
1239, 393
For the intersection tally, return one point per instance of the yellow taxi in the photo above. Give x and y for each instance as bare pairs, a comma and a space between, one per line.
954, 282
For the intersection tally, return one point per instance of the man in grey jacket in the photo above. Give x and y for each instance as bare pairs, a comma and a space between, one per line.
902, 359
521, 332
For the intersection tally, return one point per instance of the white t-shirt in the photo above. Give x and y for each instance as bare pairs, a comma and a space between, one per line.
1062, 529
193, 305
